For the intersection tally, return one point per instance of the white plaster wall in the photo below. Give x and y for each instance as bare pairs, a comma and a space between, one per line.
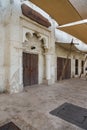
52, 53
73, 67
15, 59
61, 52
2, 35
41, 68
10, 11
15, 84
4, 3
11, 41
4, 57
2, 68
15, 78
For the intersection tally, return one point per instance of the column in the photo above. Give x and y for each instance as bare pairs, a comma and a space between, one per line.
48, 67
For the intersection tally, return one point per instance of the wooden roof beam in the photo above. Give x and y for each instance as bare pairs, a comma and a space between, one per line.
34, 15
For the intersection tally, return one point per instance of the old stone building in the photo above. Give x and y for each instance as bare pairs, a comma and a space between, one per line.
29, 53
70, 58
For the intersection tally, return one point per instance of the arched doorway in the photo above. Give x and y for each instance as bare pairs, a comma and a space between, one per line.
33, 60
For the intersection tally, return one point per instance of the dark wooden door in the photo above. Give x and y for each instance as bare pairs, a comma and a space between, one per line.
82, 67
59, 67
60, 64
30, 69
34, 69
67, 74
76, 66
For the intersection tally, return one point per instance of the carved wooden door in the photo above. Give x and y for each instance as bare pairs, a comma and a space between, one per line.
30, 69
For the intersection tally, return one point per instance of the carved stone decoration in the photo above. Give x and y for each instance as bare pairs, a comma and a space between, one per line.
44, 40
28, 35
34, 42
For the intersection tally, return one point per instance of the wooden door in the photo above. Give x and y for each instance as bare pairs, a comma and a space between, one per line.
82, 67
30, 69
67, 74
26, 69
59, 67
76, 67
60, 64
34, 69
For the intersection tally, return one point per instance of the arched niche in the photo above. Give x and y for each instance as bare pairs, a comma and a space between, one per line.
29, 35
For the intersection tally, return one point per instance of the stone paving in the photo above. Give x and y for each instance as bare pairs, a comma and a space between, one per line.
30, 109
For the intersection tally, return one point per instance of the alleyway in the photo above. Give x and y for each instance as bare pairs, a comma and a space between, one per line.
30, 109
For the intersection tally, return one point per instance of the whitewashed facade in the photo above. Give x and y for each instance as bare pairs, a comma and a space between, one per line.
73, 56
17, 36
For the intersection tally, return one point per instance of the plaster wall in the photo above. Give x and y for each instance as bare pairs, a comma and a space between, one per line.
18, 40
13, 42
2, 65
62, 52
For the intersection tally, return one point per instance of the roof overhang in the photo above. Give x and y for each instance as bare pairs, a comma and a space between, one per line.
70, 47
34, 15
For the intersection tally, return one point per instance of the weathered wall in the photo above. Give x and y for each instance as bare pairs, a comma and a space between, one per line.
61, 52
2, 53
42, 50
13, 42
18, 26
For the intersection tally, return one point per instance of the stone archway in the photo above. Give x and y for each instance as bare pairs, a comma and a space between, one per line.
34, 45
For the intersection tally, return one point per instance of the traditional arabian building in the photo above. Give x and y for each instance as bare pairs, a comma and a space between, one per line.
29, 52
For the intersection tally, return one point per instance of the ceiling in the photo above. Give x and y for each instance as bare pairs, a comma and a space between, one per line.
67, 11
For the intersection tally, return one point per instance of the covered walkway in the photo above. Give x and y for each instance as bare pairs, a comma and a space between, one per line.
30, 109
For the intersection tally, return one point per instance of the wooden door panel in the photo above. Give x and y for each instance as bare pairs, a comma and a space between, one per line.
34, 69
59, 67
68, 70
60, 64
30, 69
26, 69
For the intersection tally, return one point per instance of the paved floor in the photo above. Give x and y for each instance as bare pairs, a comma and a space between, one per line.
30, 109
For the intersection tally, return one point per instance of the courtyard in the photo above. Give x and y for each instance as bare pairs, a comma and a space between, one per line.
30, 109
